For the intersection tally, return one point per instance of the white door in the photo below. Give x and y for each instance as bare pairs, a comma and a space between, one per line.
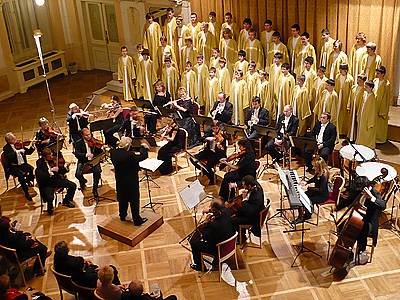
103, 41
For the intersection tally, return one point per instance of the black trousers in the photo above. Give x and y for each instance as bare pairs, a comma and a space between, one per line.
165, 154
47, 192
323, 152
96, 170
224, 190
133, 201
24, 173
271, 150
198, 246
151, 123
31, 252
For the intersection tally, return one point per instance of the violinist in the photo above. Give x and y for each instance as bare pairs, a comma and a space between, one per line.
216, 228
115, 112
286, 125
86, 149
256, 115
133, 126
45, 136
213, 151
15, 153
77, 119
246, 165
50, 176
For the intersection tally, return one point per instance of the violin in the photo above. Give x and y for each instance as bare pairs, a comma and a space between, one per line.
50, 132
234, 204
58, 161
22, 144
95, 143
236, 155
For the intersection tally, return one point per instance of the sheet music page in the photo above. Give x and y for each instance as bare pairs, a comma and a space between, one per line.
193, 194
150, 164
282, 176
162, 143
305, 200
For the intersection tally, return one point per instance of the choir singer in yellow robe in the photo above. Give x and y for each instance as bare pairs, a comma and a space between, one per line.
254, 50
169, 26
266, 37
294, 45
310, 77
325, 47
224, 77
356, 55
212, 90
366, 117
206, 42
188, 53
251, 77
276, 47
146, 76
275, 74
152, 35
126, 74
319, 87
162, 52
286, 88
306, 50
231, 25
194, 28
336, 58
328, 102
228, 49
371, 61
214, 27
383, 97
244, 34
242, 64
170, 76
180, 34
201, 71
343, 85
239, 97
301, 105
356, 96
263, 89
189, 81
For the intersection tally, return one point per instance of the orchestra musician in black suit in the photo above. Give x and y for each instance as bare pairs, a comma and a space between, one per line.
217, 228
286, 125
126, 165
133, 126
115, 112
86, 149
325, 134
51, 176
16, 164
77, 119
255, 115
222, 110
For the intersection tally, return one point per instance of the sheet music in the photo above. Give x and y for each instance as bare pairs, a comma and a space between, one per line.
282, 175
193, 194
151, 164
304, 199
161, 143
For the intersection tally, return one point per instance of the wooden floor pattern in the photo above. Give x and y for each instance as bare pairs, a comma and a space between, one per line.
264, 273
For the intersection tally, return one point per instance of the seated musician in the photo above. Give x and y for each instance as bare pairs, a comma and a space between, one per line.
77, 119
161, 98
253, 204
86, 149
286, 125
114, 112
50, 175
256, 115
214, 150
246, 165
133, 126
217, 228
16, 164
45, 136
222, 110
173, 135
325, 134
320, 191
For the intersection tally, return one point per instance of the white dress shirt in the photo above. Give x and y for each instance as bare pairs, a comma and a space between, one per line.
321, 133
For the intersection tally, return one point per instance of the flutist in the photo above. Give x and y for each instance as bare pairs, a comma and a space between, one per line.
256, 115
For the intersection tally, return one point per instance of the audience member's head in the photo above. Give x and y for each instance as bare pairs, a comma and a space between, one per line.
61, 249
135, 288
106, 275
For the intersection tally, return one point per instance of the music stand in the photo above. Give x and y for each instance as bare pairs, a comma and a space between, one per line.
198, 162
143, 104
266, 131
305, 144
235, 131
203, 121
166, 112
150, 164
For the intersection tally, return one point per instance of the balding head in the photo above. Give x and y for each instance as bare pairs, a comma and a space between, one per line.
287, 110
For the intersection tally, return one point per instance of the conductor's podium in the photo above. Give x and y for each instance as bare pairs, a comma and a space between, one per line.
125, 232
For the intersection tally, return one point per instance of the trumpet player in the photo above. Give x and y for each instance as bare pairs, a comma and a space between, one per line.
256, 115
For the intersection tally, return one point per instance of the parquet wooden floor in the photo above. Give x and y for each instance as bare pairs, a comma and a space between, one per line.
264, 273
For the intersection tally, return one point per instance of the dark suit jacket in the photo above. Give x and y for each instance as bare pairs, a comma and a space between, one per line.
11, 156
80, 151
73, 123
254, 205
126, 129
263, 116
218, 230
68, 264
292, 127
42, 174
17, 240
226, 115
329, 136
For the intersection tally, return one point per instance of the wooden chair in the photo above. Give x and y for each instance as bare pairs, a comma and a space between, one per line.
84, 293
226, 250
263, 220
64, 283
334, 196
12, 256
183, 152
5, 169
97, 296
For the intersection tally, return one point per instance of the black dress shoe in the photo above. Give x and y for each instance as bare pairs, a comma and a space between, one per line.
50, 211
123, 219
140, 222
195, 267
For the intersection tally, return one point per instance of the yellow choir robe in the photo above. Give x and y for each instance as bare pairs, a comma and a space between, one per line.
370, 64
233, 27
241, 65
170, 76
224, 80
275, 48
179, 36
127, 73
301, 108
255, 52
151, 38
193, 32
266, 41
301, 56
328, 102
189, 82
310, 75
263, 94
343, 86
355, 61
294, 50
366, 118
168, 30
215, 29
275, 75
240, 100
137, 58
334, 62
319, 87
228, 50
252, 83
356, 96
206, 42
325, 50
214, 62
383, 98
285, 92
202, 78
161, 54
243, 38
212, 93
146, 78
187, 54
